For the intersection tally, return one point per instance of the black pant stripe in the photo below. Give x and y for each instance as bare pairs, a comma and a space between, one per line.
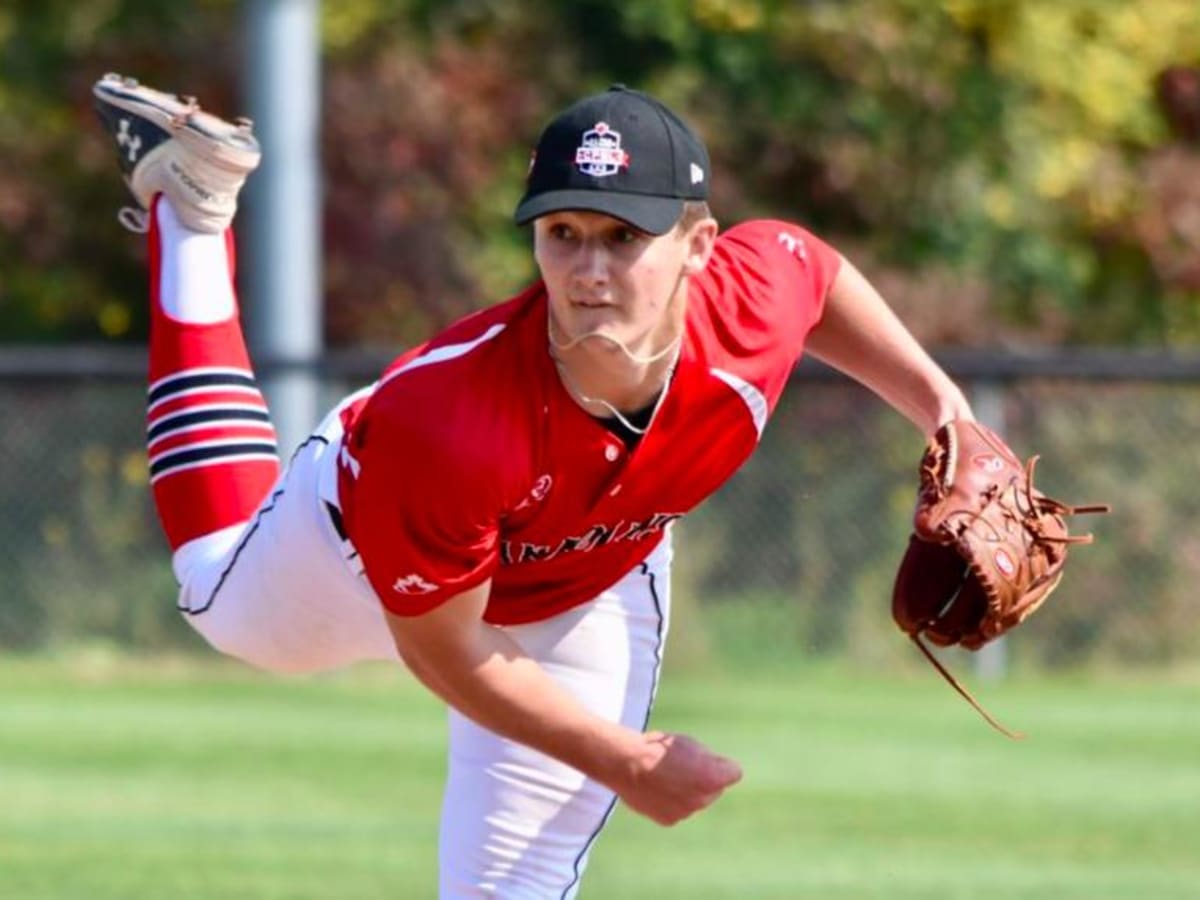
247, 534
658, 658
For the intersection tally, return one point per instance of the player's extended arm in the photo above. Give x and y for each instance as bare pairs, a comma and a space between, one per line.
861, 336
478, 670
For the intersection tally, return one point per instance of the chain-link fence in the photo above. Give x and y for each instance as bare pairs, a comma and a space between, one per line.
794, 556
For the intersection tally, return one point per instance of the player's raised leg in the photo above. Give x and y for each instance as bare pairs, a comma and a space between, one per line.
210, 440
261, 569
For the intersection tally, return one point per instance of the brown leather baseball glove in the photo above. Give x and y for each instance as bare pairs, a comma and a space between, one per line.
987, 547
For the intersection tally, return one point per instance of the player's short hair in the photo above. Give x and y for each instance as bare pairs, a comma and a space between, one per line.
693, 212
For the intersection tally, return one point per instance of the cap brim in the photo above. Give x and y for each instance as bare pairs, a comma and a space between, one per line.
654, 215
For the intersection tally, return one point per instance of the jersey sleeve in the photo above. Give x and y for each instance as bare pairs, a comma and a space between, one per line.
421, 502
786, 261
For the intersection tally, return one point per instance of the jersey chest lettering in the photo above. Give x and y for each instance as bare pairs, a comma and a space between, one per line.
703, 433
599, 535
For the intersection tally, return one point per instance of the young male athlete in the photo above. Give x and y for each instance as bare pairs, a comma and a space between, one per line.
496, 509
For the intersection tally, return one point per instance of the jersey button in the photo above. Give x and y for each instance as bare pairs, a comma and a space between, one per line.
616, 490
611, 453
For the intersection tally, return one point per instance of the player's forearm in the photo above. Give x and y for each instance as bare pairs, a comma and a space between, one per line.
484, 675
861, 336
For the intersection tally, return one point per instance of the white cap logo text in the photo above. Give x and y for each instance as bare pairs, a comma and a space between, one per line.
599, 153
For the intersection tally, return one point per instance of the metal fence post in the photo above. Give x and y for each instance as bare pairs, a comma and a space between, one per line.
284, 316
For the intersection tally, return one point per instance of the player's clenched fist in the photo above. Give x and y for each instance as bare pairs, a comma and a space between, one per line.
671, 776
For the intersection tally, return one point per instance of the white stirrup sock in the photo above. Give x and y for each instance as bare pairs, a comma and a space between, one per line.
196, 285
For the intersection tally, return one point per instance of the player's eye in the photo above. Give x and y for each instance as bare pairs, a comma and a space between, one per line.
560, 231
623, 234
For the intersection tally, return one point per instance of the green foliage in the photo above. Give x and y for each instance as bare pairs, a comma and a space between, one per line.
955, 133
1021, 145
1081, 120
67, 271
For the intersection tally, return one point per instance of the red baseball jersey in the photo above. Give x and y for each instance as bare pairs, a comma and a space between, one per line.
469, 460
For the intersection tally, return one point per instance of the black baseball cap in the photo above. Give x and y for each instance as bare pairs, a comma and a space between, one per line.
621, 153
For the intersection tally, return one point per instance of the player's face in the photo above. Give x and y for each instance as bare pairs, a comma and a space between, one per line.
605, 277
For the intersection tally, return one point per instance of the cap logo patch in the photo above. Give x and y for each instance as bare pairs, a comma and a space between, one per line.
600, 153
697, 174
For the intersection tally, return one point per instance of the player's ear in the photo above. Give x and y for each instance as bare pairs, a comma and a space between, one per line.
700, 237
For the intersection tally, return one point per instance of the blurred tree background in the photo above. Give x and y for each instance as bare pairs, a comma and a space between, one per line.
1011, 173
1024, 171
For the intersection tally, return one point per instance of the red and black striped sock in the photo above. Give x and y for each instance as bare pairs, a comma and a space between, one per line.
212, 448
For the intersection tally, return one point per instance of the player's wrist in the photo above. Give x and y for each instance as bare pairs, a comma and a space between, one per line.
616, 758
951, 406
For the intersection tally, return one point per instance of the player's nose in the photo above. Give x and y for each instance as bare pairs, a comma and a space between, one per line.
592, 264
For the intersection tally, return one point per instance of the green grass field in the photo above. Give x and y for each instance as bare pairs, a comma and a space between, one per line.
121, 779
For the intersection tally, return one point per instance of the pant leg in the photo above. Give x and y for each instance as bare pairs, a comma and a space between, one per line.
277, 591
515, 822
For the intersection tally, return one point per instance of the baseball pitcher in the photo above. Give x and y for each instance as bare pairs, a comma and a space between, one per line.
496, 510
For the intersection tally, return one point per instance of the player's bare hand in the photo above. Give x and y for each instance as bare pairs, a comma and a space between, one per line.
672, 776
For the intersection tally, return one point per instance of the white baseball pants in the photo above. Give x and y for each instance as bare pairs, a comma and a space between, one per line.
283, 592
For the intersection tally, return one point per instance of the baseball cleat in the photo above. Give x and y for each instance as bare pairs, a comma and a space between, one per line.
167, 144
